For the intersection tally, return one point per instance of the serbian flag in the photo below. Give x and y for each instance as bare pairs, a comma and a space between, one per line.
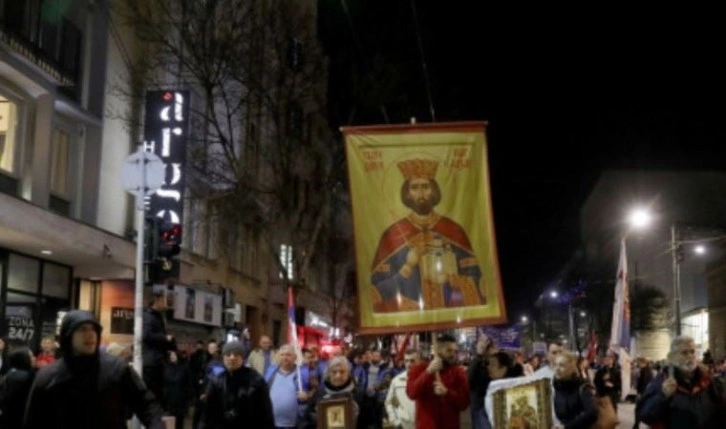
620, 329
292, 334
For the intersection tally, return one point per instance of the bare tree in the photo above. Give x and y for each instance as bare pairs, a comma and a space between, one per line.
260, 150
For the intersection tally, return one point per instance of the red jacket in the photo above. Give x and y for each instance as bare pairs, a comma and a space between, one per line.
438, 412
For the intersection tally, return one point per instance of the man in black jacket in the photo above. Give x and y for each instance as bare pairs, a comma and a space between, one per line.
156, 345
238, 397
86, 389
607, 381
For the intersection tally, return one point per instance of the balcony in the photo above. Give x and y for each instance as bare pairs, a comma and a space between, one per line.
37, 30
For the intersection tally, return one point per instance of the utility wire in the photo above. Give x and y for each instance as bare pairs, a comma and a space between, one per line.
423, 60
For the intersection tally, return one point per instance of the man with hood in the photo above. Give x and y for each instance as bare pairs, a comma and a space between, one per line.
86, 389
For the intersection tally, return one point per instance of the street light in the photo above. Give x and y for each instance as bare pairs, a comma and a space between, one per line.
554, 294
700, 249
583, 314
525, 319
640, 218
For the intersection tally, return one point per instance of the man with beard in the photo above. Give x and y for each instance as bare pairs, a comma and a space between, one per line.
424, 260
685, 395
439, 388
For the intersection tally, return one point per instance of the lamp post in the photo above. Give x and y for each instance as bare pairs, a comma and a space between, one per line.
676, 258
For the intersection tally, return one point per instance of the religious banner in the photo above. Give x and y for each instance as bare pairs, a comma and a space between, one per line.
505, 337
424, 234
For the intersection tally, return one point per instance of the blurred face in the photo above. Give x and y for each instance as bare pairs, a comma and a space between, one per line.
265, 343
495, 370
375, 358
212, 348
173, 358
535, 361
357, 360
287, 358
447, 353
608, 361
410, 360
339, 375
685, 357
160, 303
47, 345
233, 361
564, 367
2, 344
84, 340
553, 351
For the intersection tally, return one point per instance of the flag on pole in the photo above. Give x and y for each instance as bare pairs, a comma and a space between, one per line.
592, 347
620, 328
292, 334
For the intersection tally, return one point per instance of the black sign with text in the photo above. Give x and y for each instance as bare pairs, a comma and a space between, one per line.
166, 128
122, 320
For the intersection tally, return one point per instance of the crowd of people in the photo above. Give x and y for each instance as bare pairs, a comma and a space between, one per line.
73, 382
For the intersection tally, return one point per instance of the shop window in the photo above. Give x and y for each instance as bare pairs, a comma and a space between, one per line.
51, 314
20, 319
56, 281
23, 273
8, 135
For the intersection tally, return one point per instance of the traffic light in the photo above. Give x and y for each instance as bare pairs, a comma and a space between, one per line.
169, 240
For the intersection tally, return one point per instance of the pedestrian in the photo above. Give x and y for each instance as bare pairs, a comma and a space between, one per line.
47, 352
440, 388
177, 389
338, 383
400, 408
4, 367
156, 344
684, 395
262, 358
575, 403
86, 389
479, 380
238, 397
15, 387
608, 382
547, 370
285, 389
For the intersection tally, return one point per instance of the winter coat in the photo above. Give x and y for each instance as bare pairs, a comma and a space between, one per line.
155, 344
237, 399
400, 408
438, 412
611, 375
88, 392
177, 388
575, 403
349, 390
15, 387
698, 403
256, 361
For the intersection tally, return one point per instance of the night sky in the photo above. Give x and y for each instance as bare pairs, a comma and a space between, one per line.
565, 98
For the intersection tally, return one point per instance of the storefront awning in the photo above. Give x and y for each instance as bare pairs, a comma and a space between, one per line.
92, 252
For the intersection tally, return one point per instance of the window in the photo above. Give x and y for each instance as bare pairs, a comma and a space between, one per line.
286, 261
23, 273
60, 155
56, 281
8, 134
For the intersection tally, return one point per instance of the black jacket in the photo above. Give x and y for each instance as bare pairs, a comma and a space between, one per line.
478, 381
155, 344
349, 391
604, 375
177, 388
88, 392
575, 403
14, 390
237, 399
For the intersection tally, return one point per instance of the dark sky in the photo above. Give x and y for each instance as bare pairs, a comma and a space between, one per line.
565, 97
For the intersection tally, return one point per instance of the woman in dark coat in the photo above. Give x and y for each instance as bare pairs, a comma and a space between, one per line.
177, 389
575, 401
15, 387
338, 383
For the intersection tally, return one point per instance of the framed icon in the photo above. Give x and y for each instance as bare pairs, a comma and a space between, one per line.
524, 406
336, 413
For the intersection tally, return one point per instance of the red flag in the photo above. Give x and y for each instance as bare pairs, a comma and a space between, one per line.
592, 347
